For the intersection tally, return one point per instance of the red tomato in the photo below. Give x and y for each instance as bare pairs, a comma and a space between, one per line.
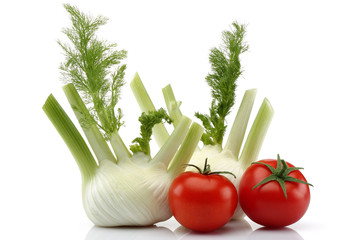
202, 202
267, 204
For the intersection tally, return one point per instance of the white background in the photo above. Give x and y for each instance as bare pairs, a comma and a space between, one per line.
304, 57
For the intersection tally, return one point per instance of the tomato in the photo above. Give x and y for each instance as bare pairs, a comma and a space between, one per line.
202, 202
268, 203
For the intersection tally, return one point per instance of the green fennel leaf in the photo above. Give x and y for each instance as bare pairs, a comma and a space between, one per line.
225, 70
148, 121
95, 69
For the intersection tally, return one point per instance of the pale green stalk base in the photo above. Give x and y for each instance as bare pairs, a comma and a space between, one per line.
119, 147
257, 134
172, 105
239, 126
142, 97
96, 140
71, 137
168, 150
186, 150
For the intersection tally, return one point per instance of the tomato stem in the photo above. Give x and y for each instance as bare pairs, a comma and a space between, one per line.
280, 174
207, 170
192, 165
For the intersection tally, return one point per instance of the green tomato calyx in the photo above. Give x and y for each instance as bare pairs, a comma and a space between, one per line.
207, 170
280, 174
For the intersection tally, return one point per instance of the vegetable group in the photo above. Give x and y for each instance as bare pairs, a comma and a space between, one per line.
202, 201
274, 193
124, 186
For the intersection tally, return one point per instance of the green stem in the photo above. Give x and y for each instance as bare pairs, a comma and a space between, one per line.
239, 126
207, 170
71, 137
257, 134
119, 147
168, 150
172, 105
185, 152
96, 140
280, 174
142, 97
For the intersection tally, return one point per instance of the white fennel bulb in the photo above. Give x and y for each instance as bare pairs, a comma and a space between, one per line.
225, 70
131, 194
119, 187
133, 190
228, 158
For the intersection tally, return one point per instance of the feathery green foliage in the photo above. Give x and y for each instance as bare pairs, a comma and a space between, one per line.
95, 69
148, 121
225, 70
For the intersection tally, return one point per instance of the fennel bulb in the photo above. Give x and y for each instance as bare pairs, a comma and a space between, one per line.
119, 187
227, 158
128, 194
133, 190
226, 69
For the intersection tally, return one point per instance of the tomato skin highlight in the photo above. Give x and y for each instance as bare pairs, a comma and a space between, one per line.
202, 203
266, 204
